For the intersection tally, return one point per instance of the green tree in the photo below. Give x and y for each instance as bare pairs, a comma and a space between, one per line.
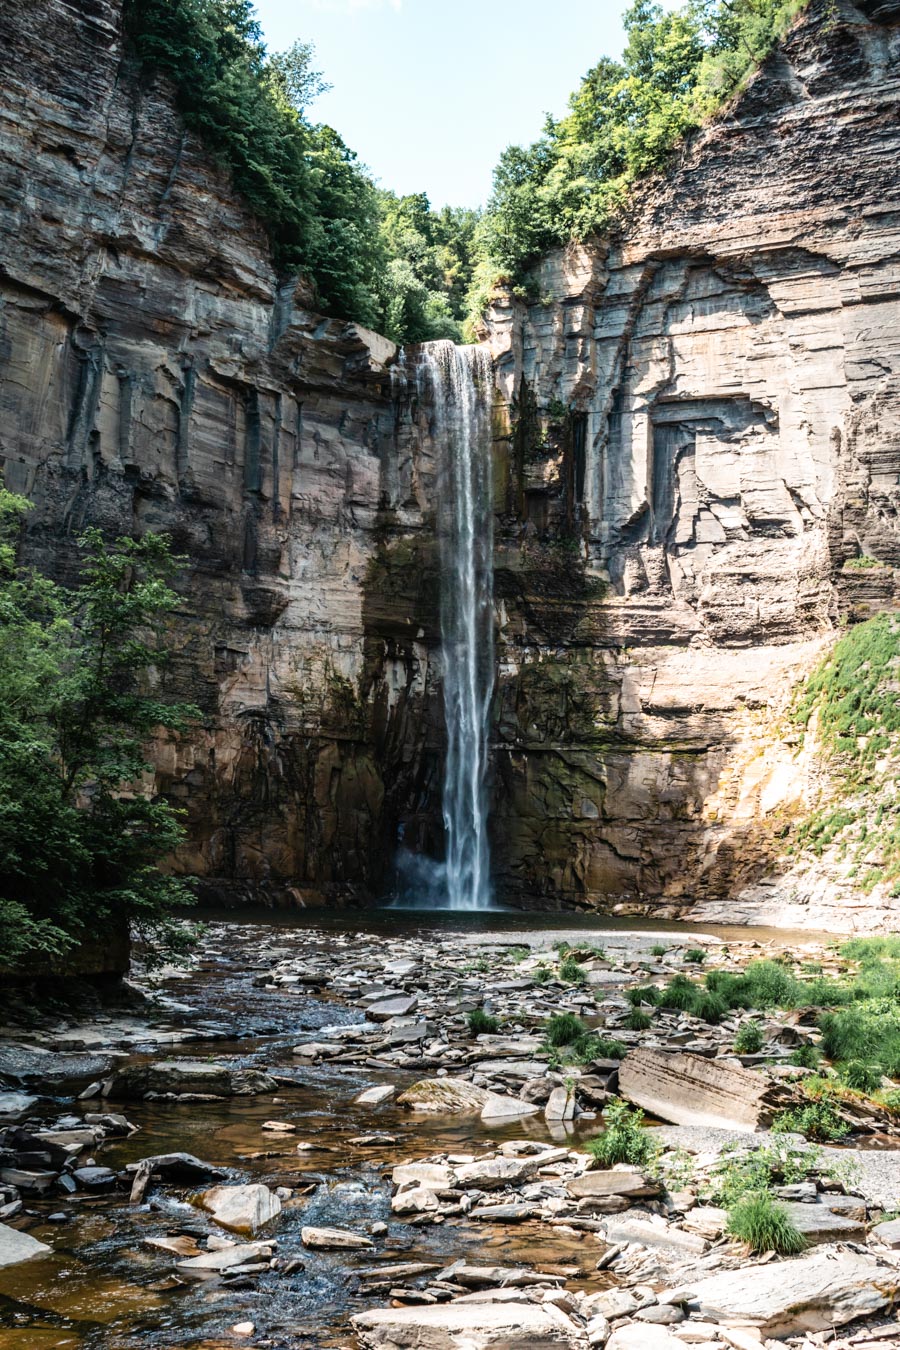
80, 837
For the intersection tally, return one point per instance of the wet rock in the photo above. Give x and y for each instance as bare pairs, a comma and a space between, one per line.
210, 1264
16, 1246
95, 1178
336, 1239
498, 1108
385, 1009
462, 1324
810, 1293
374, 1096
511, 1213
189, 1076
433, 1176
560, 1105
28, 1181
183, 1246
15, 1103
449, 1096
178, 1167
415, 1200
242, 1209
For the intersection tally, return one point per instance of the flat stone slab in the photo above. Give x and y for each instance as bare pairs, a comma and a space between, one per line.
492, 1173
498, 1108
433, 1176
819, 1223
206, 1076
613, 1183
810, 1293
385, 1009
211, 1264
334, 1239
475, 1325
16, 1246
511, 1068
15, 1103
444, 1096
374, 1096
651, 1235
693, 1090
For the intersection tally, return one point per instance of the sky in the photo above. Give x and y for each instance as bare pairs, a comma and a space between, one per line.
429, 92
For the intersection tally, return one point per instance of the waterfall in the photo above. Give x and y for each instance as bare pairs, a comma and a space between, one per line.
460, 384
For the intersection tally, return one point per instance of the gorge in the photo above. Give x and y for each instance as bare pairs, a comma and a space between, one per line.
531, 703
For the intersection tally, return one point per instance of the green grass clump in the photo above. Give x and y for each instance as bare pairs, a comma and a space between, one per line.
680, 994
764, 1225
711, 1008
542, 975
695, 955
818, 1120
658, 949
624, 1140
641, 994
768, 984
598, 1047
482, 1023
741, 1172
860, 1076
571, 971
855, 690
749, 1039
637, 1020
805, 1057
871, 948
565, 1029
869, 1035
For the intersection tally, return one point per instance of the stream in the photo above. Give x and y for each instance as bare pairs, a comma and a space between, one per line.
103, 1288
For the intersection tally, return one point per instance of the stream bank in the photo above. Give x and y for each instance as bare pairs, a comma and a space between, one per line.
257, 993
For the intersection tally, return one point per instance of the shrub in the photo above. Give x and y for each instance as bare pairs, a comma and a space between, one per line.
818, 1120
638, 1020
598, 1047
869, 1035
481, 1023
695, 955
749, 1039
564, 1029
742, 1171
571, 972
624, 1140
764, 1225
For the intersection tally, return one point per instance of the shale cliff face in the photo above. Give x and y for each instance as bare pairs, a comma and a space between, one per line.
698, 430
704, 430
154, 376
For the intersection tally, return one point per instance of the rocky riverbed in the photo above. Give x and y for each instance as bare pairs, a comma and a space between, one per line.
332, 1137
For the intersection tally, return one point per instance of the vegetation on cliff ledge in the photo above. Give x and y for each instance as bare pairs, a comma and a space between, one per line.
79, 839
389, 262
623, 122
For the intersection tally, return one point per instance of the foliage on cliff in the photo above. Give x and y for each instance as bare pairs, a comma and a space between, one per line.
79, 842
623, 122
852, 702
391, 263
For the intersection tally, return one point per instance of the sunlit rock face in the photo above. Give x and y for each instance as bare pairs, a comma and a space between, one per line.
704, 427
156, 376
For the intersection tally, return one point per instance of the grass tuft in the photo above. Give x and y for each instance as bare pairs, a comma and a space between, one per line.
482, 1023
764, 1225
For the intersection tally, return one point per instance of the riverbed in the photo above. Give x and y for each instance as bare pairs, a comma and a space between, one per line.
103, 1288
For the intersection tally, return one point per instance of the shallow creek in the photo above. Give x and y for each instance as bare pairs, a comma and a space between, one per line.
104, 1288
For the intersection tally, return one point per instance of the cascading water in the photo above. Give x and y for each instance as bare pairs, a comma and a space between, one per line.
459, 383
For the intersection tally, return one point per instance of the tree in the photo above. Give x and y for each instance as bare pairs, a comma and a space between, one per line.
80, 836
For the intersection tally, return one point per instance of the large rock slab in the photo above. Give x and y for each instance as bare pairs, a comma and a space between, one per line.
692, 1090
16, 1246
819, 1223
466, 1326
444, 1096
205, 1077
498, 1108
811, 1293
492, 1173
211, 1264
334, 1239
632, 1184
243, 1209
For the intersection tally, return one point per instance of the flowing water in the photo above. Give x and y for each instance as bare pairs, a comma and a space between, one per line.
458, 381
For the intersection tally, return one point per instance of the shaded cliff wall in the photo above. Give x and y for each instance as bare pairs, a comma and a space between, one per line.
154, 375
703, 431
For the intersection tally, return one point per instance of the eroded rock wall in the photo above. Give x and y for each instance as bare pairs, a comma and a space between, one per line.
704, 433
155, 375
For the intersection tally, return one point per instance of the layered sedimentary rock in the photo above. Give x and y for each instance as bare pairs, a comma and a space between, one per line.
155, 375
704, 412
698, 435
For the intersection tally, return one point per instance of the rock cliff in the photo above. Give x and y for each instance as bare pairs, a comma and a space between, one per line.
704, 412
697, 435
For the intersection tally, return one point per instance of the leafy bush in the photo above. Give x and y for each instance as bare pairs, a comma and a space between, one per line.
764, 1225
818, 1120
860, 1076
695, 956
624, 1140
742, 1171
592, 1046
481, 1023
805, 1057
83, 680
749, 1039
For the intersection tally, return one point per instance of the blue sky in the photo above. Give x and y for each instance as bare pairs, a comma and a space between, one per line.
429, 92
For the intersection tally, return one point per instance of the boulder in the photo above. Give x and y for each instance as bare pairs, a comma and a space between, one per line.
693, 1090
206, 1077
333, 1239
474, 1326
445, 1096
16, 1246
655, 1235
374, 1096
811, 1293
243, 1209
560, 1105
211, 1264
415, 1200
178, 1167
